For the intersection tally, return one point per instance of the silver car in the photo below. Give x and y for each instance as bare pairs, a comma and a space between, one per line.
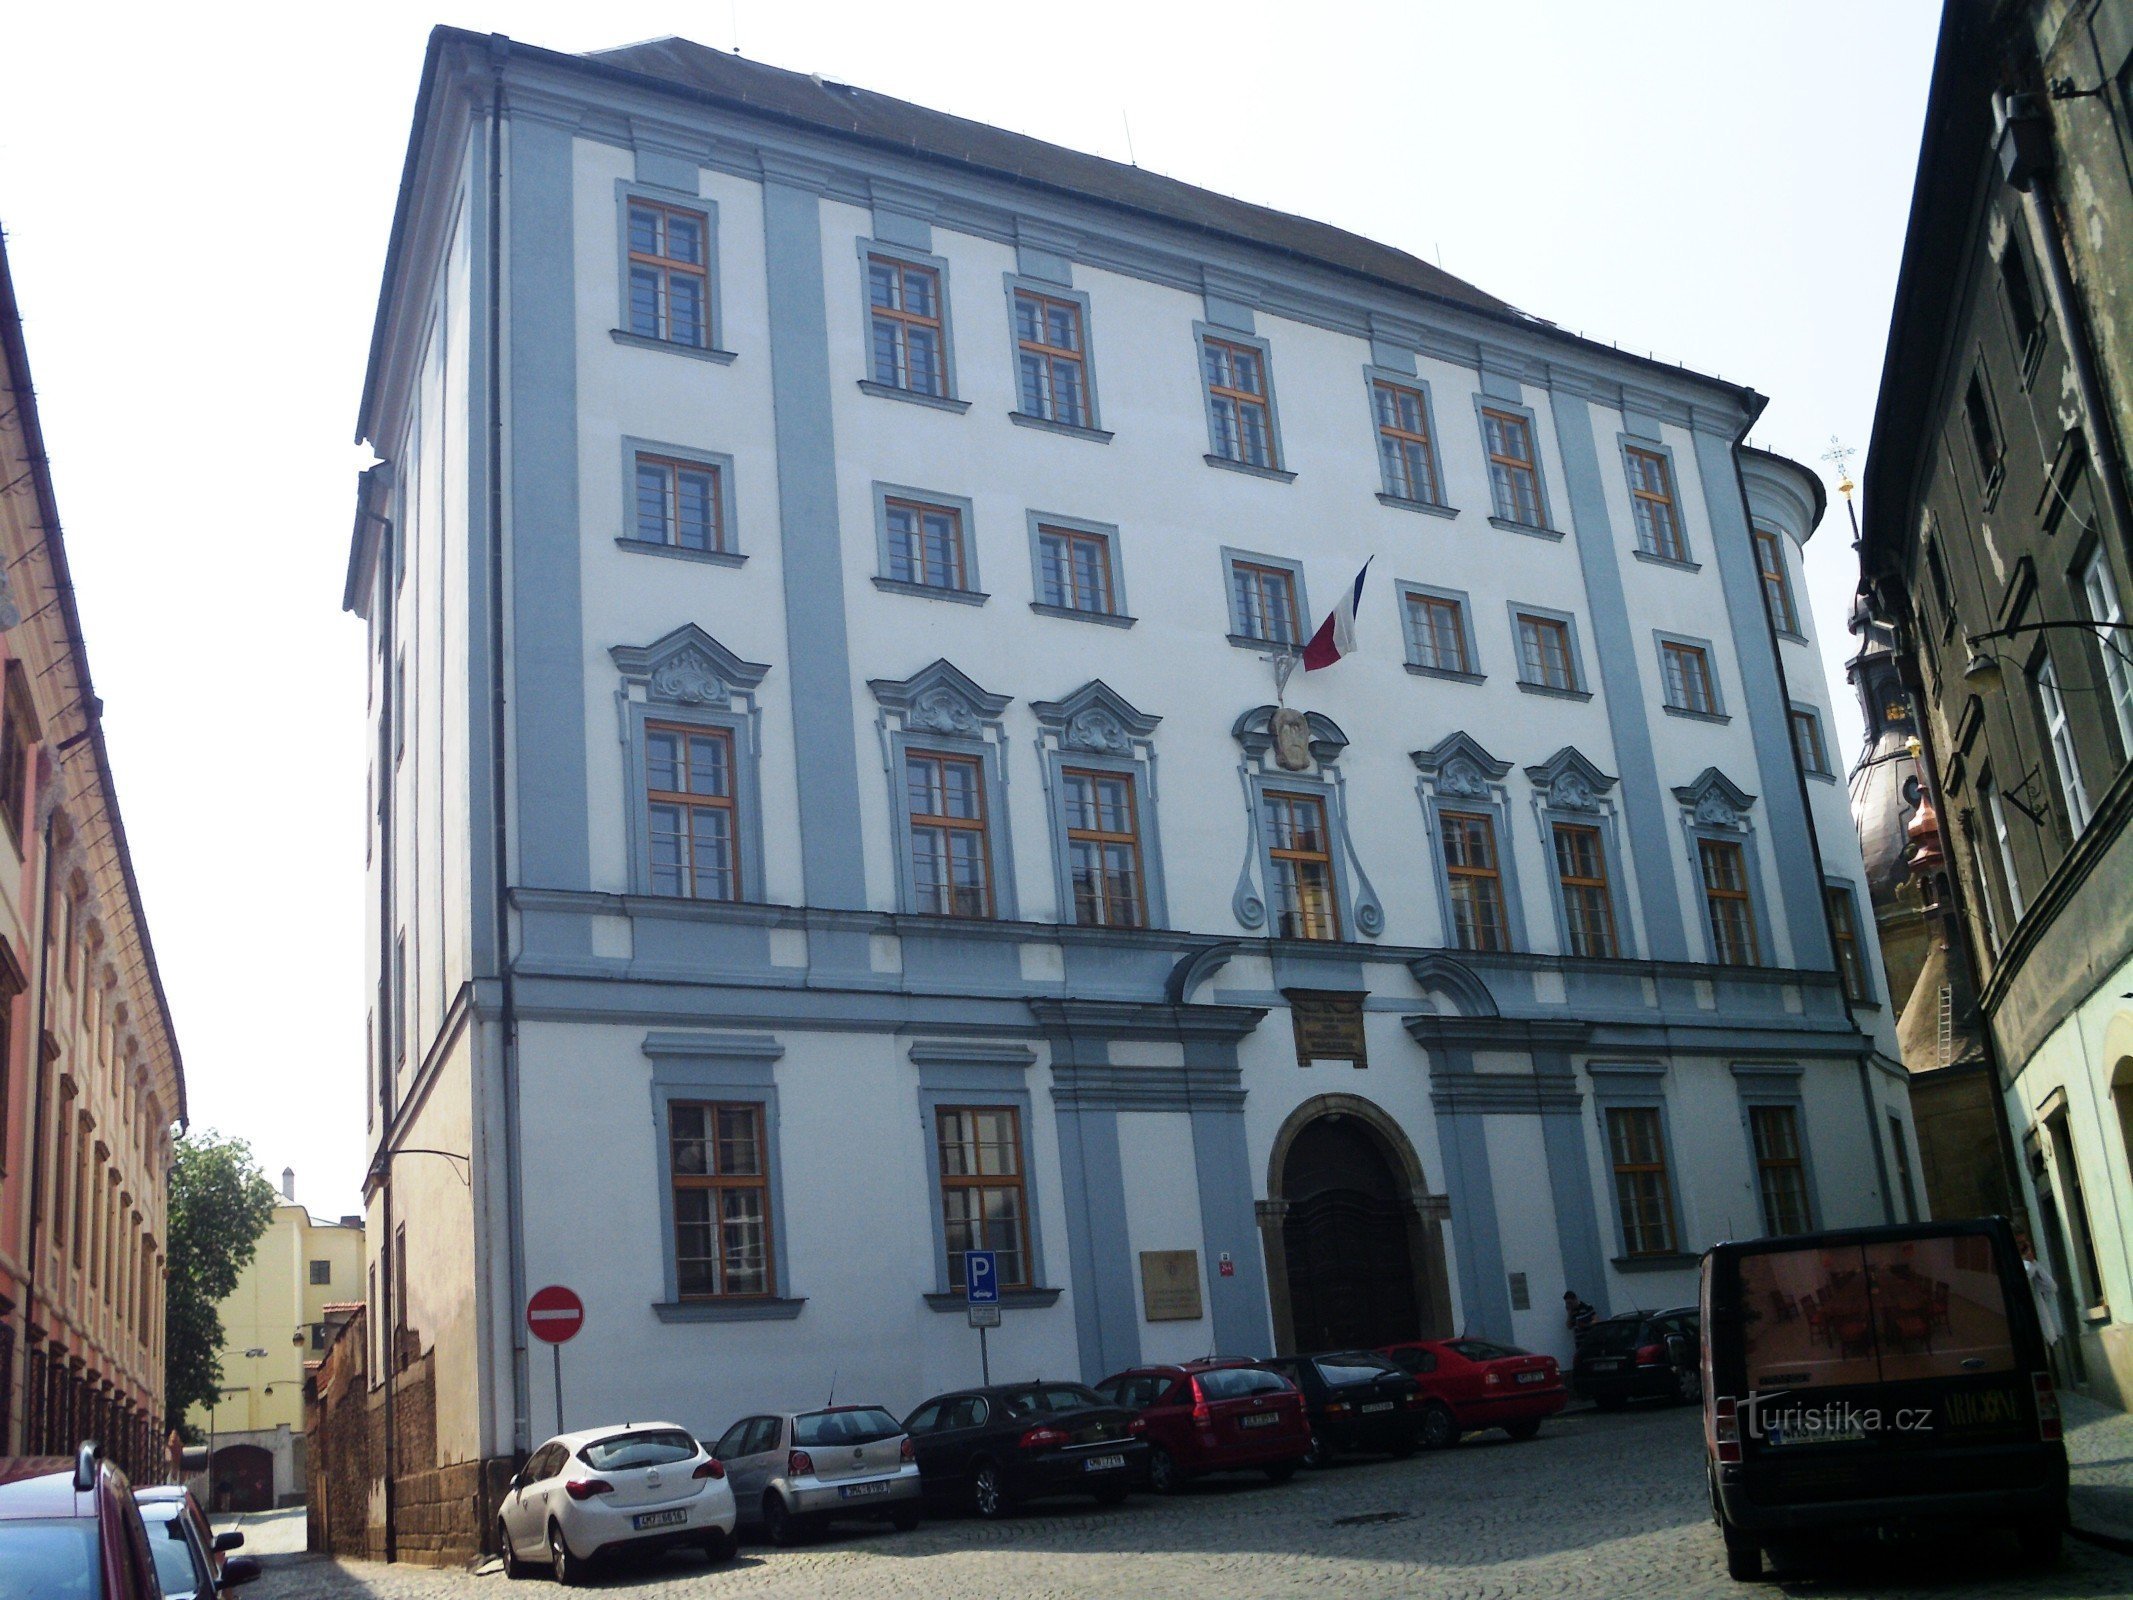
794, 1471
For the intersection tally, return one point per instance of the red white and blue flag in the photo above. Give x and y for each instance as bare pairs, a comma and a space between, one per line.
1336, 635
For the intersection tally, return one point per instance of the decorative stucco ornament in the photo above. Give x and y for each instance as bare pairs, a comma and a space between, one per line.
1292, 739
1570, 792
938, 711
1714, 810
688, 679
1462, 778
1097, 730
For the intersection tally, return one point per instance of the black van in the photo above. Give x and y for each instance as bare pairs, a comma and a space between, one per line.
1877, 1378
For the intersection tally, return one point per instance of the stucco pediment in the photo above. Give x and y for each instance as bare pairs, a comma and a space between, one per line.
1715, 800
1569, 782
1097, 718
1455, 980
688, 667
1255, 731
940, 698
1459, 765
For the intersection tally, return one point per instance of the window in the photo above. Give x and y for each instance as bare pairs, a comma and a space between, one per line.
721, 1199
925, 544
1807, 743
1844, 929
1301, 856
1263, 603
909, 340
1240, 411
1635, 1143
670, 284
1436, 633
1050, 364
2059, 734
1687, 669
1988, 798
1074, 570
399, 998
1780, 1176
1473, 881
2074, 1203
400, 1322
60, 1170
2021, 301
951, 859
1544, 658
2116, 641
1777, 586
1514, 480
1104, 849
1726, 904
1405, 453
1588, 903
1903, 1168
689, 810
1651, 500
1984, 430
679, 504
1937, 571
983, 1203
18, 732
322, 1272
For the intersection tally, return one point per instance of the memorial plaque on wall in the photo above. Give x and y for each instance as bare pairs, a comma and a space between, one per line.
1170, 1285
1329, 1025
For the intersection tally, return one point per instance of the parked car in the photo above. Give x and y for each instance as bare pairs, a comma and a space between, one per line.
1877, 1378
1213, 1416
218, 1544
1357, 1400
595, 1493
69, 1530
1473, 1383
991, 1449
795, 1471
185, 1562
1642, 1355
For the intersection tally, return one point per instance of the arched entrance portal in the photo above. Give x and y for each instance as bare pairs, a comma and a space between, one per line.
243, 1478
1354, 1243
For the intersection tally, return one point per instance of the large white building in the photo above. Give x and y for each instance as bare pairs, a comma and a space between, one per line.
833, 807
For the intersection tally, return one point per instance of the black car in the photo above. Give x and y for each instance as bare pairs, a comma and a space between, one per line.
990, 1449
1640, 1355
1357, 1400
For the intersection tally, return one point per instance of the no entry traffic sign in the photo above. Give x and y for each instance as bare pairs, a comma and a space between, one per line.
555, 1313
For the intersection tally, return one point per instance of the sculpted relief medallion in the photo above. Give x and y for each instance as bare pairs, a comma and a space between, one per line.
1292, 740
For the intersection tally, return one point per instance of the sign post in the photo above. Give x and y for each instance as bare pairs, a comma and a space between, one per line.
555, 1314
981, 1295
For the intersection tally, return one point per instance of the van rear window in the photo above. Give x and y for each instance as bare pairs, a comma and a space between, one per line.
1882, 1313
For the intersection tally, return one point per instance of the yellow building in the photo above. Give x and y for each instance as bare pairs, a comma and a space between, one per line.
272, 1324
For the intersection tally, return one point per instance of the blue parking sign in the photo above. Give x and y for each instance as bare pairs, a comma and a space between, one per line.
981, 1278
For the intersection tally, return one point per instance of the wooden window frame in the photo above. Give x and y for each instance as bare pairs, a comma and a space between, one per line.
1767, 1165
929, 822
691, 803
668, 267
1054, 356
902, 320
1101, 839
671, 470
1656, 513
1259, 574
719, 1183
916, 556
1542, 628
1633, 1243
1580, 889
1484, 880
1421, 609
1844, 933
1777, 582
1675, 660
1723, 952
1399, 436
1240, 399
1278, 854
1513, 466
19, 734
978, 1183
1814, 758
1069, 590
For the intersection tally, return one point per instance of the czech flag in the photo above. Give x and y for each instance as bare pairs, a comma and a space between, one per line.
1336, 635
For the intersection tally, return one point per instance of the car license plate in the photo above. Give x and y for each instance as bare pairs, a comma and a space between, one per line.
1103, 1463
659, 1519
1531, 1377
1259, 1419
859, 1491
1606, 1366
1378, 1405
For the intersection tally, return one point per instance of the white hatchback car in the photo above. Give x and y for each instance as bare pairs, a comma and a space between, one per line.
638, 1486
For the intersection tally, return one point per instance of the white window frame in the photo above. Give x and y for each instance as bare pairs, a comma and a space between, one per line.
2100, 591
2059, 734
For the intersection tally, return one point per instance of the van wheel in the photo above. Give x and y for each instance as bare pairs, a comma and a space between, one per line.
1744, 1557
2039, 1541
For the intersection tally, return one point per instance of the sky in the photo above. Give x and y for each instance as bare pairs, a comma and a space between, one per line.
196, 200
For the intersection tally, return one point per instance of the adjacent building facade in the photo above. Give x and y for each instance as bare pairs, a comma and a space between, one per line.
91, 1086
834, 804
1996, 548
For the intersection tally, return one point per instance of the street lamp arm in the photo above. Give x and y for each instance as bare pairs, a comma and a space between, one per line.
2039, 627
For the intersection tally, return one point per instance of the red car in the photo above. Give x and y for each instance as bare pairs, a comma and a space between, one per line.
1475, 1384
1213, 1416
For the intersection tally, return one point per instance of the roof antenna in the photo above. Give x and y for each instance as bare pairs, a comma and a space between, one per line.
832, 1400
733, 20
1128, 121
1440, 254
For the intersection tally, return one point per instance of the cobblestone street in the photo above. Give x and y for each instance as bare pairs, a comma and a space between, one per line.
1601, 1506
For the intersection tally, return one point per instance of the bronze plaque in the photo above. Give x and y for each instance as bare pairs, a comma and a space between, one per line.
1170, 1285
1329, 1025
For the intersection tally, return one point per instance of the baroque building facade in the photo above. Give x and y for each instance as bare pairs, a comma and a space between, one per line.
1998, 553
91, 1084
834, 806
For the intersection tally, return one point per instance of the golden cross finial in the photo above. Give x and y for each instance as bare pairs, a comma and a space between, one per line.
1839, 455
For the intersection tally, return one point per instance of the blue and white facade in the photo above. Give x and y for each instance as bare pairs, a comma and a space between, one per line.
545, 1000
